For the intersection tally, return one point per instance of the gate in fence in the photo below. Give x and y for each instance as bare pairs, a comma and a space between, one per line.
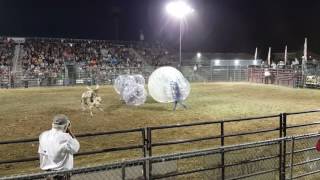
284, 77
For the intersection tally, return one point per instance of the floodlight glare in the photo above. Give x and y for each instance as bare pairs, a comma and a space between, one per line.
217, 62
255, 62
178, 9
236, 62
198, 55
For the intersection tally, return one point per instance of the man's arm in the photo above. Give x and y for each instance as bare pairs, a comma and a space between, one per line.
72, 145
70, 132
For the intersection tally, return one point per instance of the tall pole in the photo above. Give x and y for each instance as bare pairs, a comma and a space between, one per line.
285, 55
256, 54
269, 56
180, 63
305, 58
305, 50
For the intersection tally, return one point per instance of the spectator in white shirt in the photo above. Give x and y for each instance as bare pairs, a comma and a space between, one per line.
57, 146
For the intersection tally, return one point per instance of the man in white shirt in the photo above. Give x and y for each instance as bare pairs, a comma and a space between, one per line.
57, 146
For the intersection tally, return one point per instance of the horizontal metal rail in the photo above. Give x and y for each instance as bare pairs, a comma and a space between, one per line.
302, 125
35, 158
19, 141
306, 174
252, 132
304, 136
185, 141
216, 150
110, 132
212, 122
77, 135
254, 174
211, 137
303, 112
303, 150
306, 162
251, 161
182, 173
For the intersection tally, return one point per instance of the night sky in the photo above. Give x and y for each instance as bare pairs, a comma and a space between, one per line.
216, 25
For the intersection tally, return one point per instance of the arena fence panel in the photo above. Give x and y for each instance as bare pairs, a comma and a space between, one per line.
258, 160
152, 141
73, 75
290, 77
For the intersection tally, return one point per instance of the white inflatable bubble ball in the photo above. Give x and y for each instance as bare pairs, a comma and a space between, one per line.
139, 79
134, 95
162, 82
122, 81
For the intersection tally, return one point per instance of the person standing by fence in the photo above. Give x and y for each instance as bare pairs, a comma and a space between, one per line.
57, 146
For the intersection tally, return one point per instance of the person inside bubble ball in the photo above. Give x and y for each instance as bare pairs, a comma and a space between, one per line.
176, 95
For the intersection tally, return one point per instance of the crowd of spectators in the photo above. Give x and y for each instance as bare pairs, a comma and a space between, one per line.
43, 58
6, 56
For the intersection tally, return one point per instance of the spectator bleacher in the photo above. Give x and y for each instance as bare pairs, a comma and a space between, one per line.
6, 55
47, 57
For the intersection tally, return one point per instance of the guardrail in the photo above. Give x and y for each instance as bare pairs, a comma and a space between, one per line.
258, 160
148, 144
141, 146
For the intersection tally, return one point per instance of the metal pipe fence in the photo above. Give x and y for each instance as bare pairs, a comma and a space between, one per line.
257, 160
290, 77
139, 132
153, 140
106, 76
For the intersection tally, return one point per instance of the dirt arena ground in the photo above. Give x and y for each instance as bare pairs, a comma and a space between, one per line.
25, 113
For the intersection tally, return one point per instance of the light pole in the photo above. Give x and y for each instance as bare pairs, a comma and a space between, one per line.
179, 9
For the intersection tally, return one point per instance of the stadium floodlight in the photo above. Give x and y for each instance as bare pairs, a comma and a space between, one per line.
217, 62
236, 62
255, 62
198, 55
179, 9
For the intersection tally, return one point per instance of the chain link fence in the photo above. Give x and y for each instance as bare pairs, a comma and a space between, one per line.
283, 158
303, 161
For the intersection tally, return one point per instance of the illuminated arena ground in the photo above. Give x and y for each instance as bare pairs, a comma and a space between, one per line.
25, 113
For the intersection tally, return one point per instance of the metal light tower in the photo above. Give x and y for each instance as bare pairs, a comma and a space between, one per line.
179, 10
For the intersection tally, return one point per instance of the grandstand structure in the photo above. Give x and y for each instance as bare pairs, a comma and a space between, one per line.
46, 61
29, 62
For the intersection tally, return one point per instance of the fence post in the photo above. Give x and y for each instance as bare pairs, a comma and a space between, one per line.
280, 126
144, 149
284, 121
123, 171
222, 150
280, 145
291, 160
149, 149
284, 133
149, 141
